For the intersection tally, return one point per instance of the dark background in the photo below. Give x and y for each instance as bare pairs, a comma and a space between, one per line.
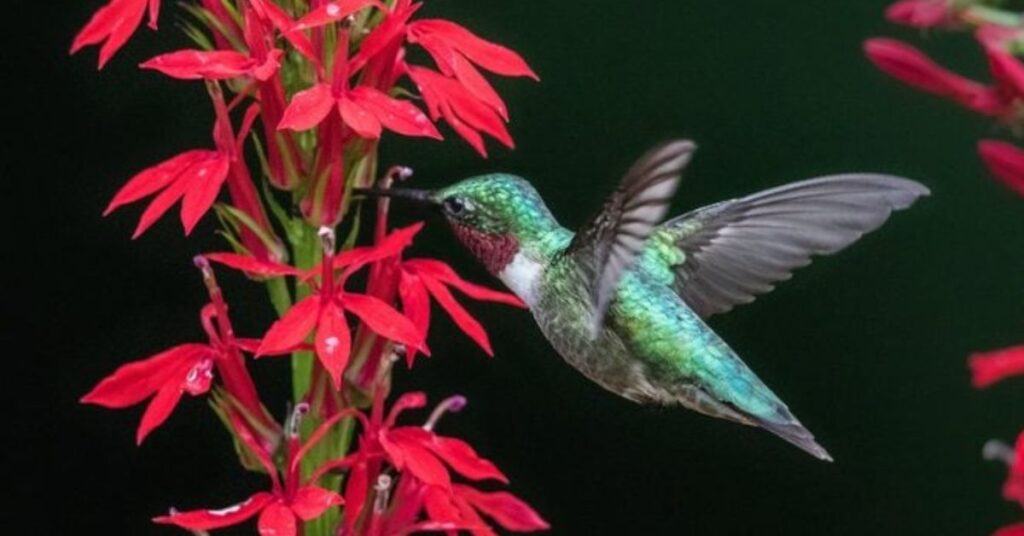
868, 347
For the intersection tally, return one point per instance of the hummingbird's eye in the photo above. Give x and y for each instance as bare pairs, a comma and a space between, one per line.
454, 206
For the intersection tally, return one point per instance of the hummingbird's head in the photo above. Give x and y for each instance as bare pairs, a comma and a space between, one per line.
494, 216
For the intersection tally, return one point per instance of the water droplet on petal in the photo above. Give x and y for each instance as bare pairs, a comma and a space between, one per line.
333, 10
331, 344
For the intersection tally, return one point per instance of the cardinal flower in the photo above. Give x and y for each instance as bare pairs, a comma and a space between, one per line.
422, 459
168, 375
290, 499
459, 93
364, 109
323, 312
1012, 530
990, 367
911, 66
1005, 161
921, 13
423, 279
194, 177
113, 24
215, 64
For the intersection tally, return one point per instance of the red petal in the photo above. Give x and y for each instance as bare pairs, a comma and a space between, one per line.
204, 183
912, 67
440, 507
277, 520
333, 342
115, 23
159, 409
252, 265
469, 325
357, 487
311, 502
331, 12
308, 108
1006, 69
197, 64
442, 272
1013, 488
920, 13
461, 457
283, 22
292, 328
506, 509
359, 119
405, 448
490, 56
392, 245
134, 382
415, 307
990, 367
266, 70
479, 86
382, 319
151, 180
215, 519
397, 115
160, 205
1005, 161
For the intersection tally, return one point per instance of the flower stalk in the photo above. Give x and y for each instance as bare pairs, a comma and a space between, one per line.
303, 93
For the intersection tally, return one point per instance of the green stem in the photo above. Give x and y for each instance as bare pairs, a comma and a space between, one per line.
978, 15
280, 297
307, 254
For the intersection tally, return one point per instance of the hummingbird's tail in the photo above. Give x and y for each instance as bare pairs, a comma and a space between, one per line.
786, 426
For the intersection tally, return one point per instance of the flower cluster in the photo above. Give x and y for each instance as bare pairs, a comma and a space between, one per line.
1000, 34
302, 92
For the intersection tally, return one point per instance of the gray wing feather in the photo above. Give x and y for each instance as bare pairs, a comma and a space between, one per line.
606, 246
735, 250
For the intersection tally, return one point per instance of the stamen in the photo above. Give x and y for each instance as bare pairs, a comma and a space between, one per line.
452, 404
327, 240
383, 489
295, 419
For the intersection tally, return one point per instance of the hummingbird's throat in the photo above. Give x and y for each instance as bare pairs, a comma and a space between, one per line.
494, 251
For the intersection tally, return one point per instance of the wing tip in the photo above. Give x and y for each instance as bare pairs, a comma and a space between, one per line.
793, 432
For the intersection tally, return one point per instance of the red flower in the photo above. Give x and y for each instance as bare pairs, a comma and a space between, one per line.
921, 13
215, 65
998, 41
455, 50
459, 93
421, 279
172, 373
323, 312
113, 24
165, 376
289, 500
364, 109
1005, 161
912, 67
422, 459
195, 177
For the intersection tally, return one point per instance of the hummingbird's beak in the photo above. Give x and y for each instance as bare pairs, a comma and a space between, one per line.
422, 197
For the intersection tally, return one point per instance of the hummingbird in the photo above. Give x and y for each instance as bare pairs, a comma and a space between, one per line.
626, 297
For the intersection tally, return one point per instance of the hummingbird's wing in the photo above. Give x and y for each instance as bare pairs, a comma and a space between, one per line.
606, 246
737, 249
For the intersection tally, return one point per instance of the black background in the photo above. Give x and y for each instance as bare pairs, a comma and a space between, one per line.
868, 347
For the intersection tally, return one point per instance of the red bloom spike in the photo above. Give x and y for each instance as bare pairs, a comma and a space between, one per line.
466, 113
